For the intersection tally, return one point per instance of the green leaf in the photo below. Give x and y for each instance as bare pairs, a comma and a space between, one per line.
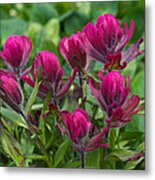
26, 143
130, 70
36, 157
60, 153
34, 93
96, 66
133, 164
131, 135
120, 154
41, 120
112, 137
12, 148
37, 107
93, 159
14, 117
72, 164
137, 85
137, 123
141, 147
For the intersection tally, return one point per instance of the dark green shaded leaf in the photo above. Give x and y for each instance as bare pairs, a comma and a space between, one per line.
93, 159
60, 153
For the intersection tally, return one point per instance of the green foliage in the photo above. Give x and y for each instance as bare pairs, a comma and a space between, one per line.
137, 124
133, 164
93, 159
34, 93
137, 85
13, 116
12, 148
60, 153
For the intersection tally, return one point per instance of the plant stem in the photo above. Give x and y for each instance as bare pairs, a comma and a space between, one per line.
107, 134
82, 159
40, 144
55, 102
81, 82
21, 83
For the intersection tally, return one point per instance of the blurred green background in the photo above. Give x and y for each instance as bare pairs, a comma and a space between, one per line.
47, 23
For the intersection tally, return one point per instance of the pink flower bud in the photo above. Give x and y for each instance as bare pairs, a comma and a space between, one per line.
10, 91
16, 52
73, 51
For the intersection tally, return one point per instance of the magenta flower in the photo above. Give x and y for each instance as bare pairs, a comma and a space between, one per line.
10, 91
51, 75
16, 52
113, 96
105, 41
73, 51
78, 128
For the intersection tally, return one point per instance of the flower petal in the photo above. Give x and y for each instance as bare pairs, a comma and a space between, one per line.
67, 85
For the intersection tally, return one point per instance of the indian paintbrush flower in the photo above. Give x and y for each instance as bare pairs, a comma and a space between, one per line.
113, 94
51, 76
10, 91
78, 128
16, 53
105, 40
73, 51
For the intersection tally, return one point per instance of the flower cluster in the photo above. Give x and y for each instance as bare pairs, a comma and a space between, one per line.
103, 41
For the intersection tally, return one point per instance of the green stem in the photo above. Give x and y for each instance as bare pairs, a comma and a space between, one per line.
81, 82
39, 143
82, 159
